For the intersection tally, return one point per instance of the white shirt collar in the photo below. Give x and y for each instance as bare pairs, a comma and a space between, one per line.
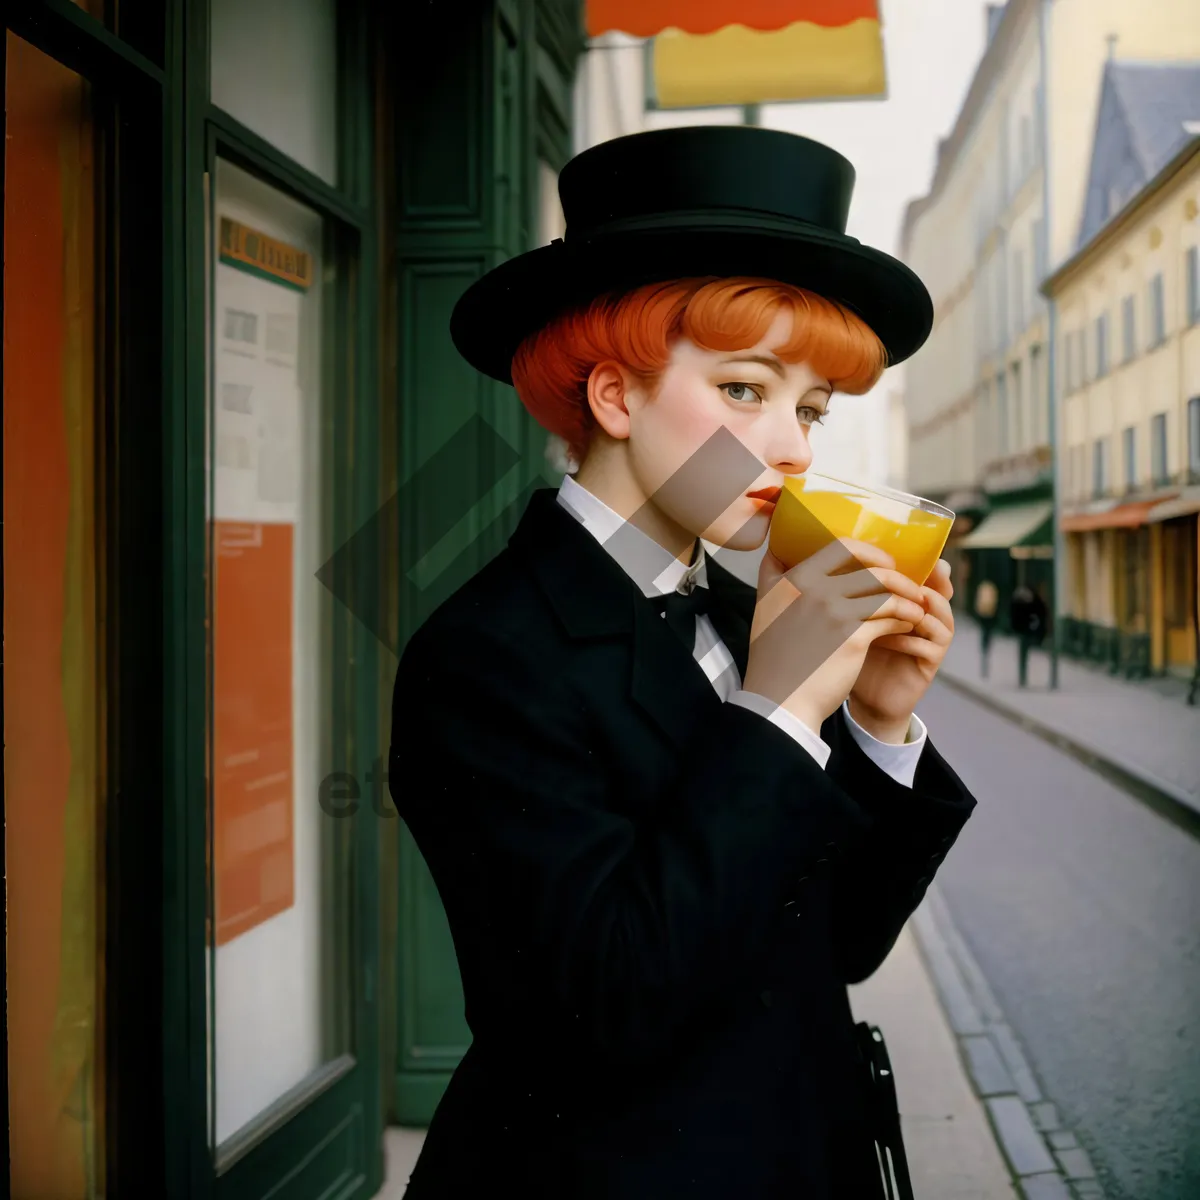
651, 567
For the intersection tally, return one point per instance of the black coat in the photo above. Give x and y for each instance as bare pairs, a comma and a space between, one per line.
656, 898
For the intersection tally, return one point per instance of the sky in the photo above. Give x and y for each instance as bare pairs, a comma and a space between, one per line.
932, 48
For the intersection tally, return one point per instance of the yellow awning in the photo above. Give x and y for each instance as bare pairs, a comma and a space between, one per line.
727, 52
1008, 527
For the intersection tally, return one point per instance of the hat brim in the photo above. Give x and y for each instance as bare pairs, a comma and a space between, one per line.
520, 296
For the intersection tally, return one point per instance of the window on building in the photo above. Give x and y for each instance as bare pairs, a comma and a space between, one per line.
1179, 559
1128, 329
1099, 466
1039, 250
1001, 414
1193, 423
1018, 399
1077, 483
1158, 448
290, 95
1101, 345
1158, 311
1192, 270
1129, 454
1036, 392
1018, 292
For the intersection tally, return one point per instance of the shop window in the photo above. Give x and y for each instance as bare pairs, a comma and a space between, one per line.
279, 976
274, 69
54, 598
1178, 556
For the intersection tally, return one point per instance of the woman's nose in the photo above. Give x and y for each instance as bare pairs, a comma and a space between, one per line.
789, 452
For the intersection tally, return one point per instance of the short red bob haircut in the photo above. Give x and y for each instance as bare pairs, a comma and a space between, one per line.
551, 368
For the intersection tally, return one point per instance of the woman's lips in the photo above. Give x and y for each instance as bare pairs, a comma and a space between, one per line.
765, 498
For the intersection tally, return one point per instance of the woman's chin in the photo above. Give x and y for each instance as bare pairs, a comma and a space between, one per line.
749, 535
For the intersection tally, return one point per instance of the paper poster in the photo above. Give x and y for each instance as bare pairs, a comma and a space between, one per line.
256, 465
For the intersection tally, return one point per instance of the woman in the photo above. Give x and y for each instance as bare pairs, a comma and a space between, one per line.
671, 817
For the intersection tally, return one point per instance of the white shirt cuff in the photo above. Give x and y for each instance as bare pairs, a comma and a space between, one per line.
900, 762
791, 725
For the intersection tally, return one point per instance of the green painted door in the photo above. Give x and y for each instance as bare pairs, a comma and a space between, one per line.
471, 132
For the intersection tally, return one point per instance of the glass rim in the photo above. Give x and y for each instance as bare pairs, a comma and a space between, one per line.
885, 492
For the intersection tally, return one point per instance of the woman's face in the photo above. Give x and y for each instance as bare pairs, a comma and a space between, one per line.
708, 486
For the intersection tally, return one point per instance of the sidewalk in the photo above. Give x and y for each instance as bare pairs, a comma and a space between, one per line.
1141, 729
952, 1152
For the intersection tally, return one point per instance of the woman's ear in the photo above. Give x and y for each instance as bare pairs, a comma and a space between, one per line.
607, 393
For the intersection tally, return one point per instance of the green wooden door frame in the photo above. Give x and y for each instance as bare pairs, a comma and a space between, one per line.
467, 199
150, 78
330, 1127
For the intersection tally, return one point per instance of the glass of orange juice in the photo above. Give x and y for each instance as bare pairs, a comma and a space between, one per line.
814, 510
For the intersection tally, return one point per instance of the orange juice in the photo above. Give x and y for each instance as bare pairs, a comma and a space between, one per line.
814, 510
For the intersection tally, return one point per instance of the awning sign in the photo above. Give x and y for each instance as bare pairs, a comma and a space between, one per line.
718, 52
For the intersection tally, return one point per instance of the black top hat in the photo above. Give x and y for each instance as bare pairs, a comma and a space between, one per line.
699, 201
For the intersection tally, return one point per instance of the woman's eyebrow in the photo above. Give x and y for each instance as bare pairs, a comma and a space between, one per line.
761, 359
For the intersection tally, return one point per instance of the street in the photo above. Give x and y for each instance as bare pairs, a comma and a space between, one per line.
1081, 906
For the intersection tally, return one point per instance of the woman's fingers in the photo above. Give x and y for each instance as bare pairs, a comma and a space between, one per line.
939, 579
837, 558
879, 581
914, 646
876, 608
938, 606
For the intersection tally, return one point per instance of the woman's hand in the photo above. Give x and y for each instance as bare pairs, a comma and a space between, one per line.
899, 668
813, 625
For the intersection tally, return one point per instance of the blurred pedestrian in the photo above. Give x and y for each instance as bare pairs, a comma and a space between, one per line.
987, 601
1027, 615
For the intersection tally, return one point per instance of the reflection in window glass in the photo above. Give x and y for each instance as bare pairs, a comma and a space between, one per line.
52, 664
274, 68
275, 1021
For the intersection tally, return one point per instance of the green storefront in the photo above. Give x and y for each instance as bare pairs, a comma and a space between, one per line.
241, 462
1013, 544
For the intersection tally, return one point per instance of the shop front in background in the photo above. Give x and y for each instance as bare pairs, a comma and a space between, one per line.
191, 433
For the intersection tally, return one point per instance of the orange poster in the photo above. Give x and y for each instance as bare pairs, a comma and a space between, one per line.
253, 784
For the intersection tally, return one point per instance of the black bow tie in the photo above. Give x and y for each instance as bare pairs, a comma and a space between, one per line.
682, 609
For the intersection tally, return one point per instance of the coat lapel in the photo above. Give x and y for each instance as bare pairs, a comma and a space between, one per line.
593, 598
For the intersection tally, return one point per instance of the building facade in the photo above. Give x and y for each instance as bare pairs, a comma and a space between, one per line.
1129, 341
1003, 209
241, 461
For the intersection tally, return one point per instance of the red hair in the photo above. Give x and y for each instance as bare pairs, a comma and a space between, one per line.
550, 369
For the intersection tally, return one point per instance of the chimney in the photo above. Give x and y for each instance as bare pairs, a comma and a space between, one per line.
994, 14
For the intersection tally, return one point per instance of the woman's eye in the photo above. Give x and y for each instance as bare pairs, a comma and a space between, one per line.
740, 391
810, 416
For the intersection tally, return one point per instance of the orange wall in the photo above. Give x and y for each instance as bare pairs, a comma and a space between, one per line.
50, 710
